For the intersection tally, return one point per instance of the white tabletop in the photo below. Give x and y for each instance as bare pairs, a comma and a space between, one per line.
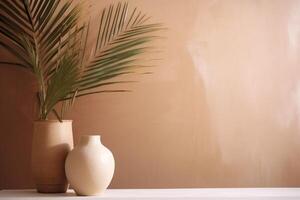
164, 194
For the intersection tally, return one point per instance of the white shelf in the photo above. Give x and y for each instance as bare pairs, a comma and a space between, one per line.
164, 194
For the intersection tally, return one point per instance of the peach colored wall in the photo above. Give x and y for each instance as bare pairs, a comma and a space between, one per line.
222, 108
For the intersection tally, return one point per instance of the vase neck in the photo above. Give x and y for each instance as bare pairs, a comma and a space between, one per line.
90, 140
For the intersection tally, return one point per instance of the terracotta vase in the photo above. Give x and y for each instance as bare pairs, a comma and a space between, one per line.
52, 141
90, 166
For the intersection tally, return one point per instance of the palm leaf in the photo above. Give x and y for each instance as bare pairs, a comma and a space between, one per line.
47, 39
61, 82
33, 31
120, 40
36, 20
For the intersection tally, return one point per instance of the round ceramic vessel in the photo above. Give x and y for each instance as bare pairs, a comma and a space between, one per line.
90, 166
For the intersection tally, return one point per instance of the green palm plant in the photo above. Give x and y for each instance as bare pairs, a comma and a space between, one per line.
47, 38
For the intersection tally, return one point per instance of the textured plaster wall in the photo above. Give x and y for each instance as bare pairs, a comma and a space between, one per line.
222, 108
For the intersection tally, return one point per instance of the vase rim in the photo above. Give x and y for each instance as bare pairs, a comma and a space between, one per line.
90, 135
90, 139
53, 121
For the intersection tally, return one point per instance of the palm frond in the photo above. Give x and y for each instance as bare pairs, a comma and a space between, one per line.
120, 40
44, 23
37, 33
61, 83
47, 38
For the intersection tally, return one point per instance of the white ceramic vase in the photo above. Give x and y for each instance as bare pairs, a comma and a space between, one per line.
90, 166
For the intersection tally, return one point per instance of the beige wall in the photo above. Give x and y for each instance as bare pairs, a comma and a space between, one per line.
222, 108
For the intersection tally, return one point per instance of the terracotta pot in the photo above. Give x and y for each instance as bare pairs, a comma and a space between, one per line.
90, 166
52, 141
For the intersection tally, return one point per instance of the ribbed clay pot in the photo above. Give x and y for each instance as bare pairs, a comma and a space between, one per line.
52, 141
90, 166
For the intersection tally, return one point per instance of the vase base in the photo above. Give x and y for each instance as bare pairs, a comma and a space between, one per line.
90, 194
52, 188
